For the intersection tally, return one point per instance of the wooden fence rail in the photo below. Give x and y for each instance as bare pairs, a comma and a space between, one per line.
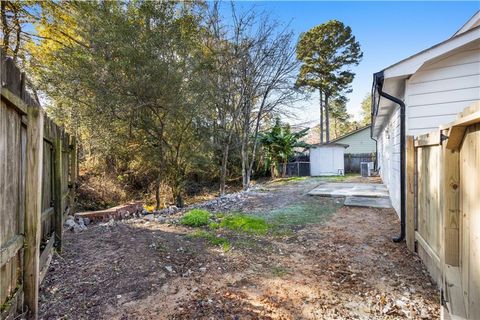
36, 192
443, 209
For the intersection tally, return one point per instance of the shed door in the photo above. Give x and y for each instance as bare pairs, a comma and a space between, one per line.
321, 161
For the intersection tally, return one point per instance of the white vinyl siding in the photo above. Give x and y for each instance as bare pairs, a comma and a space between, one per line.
441, 89
359, 142
389, 158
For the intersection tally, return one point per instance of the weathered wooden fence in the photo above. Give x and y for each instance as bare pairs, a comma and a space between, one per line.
443, 209
352, 161
297, 169
37, 176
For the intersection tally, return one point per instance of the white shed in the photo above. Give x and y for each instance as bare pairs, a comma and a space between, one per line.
327, 159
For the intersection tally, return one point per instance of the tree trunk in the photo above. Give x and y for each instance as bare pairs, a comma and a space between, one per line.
321, 116
157, 191
245, 175
327, 120
179, 199
272, 170
255, 137
5, 28
19, 32
245, 161
223, 170
284, 169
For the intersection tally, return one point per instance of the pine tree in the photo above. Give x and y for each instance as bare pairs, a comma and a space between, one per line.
326, 53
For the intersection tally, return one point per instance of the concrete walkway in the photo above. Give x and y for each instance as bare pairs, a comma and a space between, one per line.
357, 194
368, 202
372, 190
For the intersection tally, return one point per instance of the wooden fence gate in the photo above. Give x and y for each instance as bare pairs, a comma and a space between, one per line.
443, 209
37, 178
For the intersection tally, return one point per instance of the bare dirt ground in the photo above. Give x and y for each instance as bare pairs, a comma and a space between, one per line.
339, 265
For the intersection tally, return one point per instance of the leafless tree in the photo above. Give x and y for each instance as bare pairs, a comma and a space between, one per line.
253, 74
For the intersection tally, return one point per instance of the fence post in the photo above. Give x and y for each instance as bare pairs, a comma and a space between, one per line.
410, 196
33, 203
73, 172
449, 190
58, 188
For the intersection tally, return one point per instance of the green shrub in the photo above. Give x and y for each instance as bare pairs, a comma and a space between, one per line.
246, 223
195, 218
214, 225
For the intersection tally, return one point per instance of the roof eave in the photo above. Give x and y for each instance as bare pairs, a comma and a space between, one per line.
474, 20
394, 76
410, 65
351, 133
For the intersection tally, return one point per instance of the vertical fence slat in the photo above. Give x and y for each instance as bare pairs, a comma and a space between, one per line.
33, 205
73, 173
410, 196
58, 188
450, 204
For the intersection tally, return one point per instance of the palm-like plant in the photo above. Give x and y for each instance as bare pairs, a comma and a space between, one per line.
279, 145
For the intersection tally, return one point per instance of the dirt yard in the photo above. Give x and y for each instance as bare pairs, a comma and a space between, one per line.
322, 261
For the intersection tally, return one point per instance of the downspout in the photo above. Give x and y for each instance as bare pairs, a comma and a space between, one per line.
378, 83
372, 118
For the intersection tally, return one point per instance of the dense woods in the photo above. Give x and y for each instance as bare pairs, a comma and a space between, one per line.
167, 98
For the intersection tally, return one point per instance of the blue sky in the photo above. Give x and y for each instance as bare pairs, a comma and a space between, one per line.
387, 31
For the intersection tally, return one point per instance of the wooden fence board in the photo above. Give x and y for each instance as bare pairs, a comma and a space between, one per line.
450, 203
11, 202
33, 196
27, 190
410, 194
448, 210
470, 226
10, 249
57, 193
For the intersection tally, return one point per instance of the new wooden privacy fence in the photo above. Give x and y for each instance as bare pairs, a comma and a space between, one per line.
37, 177
443, 209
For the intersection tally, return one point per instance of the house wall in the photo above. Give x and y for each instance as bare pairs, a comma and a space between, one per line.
359, 142
389, 157
434, 95
440, 89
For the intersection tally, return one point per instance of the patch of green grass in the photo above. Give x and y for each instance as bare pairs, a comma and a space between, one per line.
195, 218
344, 178
214, 225
300, 214
198, 234
212, 239
289, 179
245, 223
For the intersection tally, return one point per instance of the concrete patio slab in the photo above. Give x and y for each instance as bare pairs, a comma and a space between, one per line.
368, 202
370, 190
